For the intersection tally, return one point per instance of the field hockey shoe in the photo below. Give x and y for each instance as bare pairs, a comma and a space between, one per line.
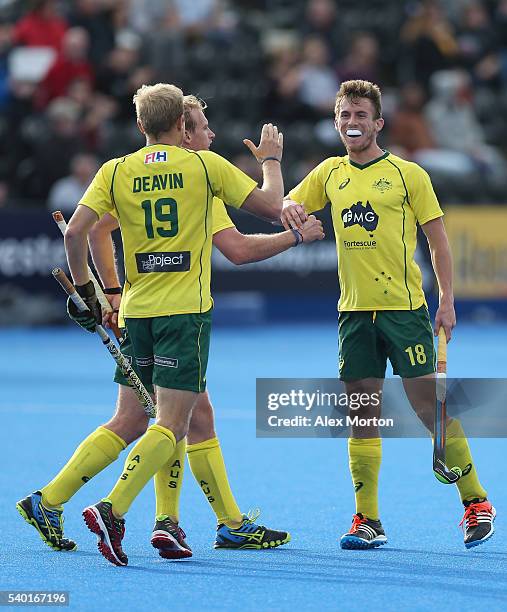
364, 533
169, 538
109, 530
47, 521
477, 522
249, 535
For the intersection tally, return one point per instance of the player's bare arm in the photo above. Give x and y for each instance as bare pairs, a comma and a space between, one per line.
442, 264
266, 202
241, 249
76, 245
293, 215
102, 251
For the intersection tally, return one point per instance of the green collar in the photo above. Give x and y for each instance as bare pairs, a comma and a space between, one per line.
370, 163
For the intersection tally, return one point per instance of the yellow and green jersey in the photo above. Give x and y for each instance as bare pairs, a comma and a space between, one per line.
375, 209
221, 219
163, 196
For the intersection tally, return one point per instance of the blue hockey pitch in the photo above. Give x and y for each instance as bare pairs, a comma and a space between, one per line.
57, 388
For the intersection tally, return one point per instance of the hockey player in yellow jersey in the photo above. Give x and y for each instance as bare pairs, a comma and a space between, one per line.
162, 196
377, 199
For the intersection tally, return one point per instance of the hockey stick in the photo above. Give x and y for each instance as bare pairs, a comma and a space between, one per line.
103, 301
125, 367
441, 471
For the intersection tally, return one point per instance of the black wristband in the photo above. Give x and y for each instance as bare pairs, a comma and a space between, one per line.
87, 290
297, 235
265, 159
112, 290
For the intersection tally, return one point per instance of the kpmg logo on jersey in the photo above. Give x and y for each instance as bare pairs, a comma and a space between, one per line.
155, 156
163, 262
364, 216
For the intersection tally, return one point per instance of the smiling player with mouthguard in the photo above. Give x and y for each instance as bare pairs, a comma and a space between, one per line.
377, 199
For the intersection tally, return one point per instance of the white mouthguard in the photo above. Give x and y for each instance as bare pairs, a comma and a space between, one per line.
354, 133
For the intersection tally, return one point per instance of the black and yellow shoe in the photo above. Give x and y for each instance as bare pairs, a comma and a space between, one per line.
47, 521
364, 533
478, 521
249, 535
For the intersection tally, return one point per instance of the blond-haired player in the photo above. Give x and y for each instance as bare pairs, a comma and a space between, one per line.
132, 186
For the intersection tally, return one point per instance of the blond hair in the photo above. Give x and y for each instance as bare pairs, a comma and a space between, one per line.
158, 107
352, 90
191, 103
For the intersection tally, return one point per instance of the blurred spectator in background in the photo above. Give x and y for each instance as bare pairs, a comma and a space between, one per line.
361, 60
409, 131
123, 73
454, 125
97, 18
66, 193
71, 64
283, 51
429, 43
315, 81
321, 19
478, 45
55, 147
202, 19
411, 136
42, 26
95, 112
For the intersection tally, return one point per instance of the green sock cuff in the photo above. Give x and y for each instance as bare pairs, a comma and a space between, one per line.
205, 445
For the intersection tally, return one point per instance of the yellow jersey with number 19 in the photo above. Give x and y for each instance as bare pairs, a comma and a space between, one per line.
162, 197
375, 209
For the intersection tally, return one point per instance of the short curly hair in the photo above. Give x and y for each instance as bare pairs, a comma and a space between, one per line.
352, 90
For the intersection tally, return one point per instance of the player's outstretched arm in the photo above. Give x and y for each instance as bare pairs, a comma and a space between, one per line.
267, 201
442, 264
246, 248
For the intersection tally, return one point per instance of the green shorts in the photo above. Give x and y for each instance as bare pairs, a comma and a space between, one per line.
368, 339
169, 352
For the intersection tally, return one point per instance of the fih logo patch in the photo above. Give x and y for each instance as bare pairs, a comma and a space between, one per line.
363, 216
155, 156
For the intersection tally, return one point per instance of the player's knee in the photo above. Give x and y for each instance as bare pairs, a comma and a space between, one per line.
202, 426
129, 428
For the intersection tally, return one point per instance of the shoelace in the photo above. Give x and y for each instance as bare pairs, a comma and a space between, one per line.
252, 515
471, 512
356, 522
174, 529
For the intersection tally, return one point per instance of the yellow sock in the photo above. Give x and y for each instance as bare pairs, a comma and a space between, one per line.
145, 459
95, 453
365, 456
457, 452
208, 467
168, 481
